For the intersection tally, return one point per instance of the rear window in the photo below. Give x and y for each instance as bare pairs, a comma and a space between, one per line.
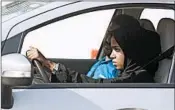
155, 15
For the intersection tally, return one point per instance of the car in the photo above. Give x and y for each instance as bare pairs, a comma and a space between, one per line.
55, 27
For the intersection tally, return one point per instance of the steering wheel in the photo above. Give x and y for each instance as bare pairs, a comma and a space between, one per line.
41, 71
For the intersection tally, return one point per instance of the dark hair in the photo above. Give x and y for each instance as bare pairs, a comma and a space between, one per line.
123, 21
138, 44
118, 22
107, 46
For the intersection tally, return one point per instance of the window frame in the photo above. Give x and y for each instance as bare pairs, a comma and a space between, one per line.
117, 85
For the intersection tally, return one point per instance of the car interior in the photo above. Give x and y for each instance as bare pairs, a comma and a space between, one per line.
165, 29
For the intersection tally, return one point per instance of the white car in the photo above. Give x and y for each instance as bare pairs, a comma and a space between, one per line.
48, 25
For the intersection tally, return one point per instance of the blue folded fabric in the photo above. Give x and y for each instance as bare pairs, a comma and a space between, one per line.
103, 69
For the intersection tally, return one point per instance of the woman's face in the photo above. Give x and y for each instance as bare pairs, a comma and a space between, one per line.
117, 54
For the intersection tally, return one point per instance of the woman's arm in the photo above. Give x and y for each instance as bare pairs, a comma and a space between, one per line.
67, 75
139, 76
63, 74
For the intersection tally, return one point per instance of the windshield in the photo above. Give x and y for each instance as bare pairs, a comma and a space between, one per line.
11, 9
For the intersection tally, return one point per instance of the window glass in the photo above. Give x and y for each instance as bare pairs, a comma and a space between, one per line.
155, 15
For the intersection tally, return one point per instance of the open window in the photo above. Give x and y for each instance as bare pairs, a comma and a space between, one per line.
77, 37
60, 41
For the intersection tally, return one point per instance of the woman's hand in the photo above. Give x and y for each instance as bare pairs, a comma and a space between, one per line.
34, 53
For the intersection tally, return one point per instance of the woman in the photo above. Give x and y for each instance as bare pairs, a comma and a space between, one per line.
130, 48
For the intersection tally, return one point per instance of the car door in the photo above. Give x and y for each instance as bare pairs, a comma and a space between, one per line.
85, 96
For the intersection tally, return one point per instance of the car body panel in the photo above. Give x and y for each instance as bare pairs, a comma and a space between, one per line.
94, 99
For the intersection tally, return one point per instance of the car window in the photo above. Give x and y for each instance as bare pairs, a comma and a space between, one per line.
77, 37
155, 15
166, 40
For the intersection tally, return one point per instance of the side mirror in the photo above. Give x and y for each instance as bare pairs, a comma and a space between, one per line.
16, 71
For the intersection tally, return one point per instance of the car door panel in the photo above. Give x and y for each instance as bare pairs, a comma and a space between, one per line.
94, 99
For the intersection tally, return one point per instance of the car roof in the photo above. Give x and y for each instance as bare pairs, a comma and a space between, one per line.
13, 9
57, 4
18, 7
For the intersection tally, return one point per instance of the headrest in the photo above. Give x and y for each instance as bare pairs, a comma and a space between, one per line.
166, 31
147, 24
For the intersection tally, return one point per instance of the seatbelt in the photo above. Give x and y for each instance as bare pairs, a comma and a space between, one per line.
161, 56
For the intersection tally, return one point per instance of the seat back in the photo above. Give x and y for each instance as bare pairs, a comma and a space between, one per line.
166, 31
147, 24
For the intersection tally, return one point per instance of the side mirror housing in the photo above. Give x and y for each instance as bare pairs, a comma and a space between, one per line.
16, 71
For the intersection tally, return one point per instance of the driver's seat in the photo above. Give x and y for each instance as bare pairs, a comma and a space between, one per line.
166, 31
